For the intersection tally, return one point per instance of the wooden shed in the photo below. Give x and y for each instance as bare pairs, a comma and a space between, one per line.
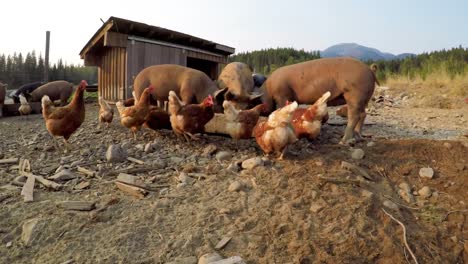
122, 48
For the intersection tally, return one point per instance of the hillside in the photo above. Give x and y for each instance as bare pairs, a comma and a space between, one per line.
361, 52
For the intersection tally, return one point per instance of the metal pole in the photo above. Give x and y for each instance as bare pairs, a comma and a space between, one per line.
46, 64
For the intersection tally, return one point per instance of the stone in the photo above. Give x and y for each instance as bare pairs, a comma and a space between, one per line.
235, 186
425, 192
63, 175
447, 145
314, 194
209, 150
316, 207
426, 173
251, 163
184, 178
390, 205
30, 232
454, 239
116, 153
148, 148
405, 187
357, 154
9, 244
406, 196
223, 155
209, 257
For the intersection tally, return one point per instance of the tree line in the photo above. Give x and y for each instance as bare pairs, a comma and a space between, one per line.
452, 62
265, 61
17, 70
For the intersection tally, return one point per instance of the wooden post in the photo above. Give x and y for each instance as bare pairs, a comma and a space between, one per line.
46, 63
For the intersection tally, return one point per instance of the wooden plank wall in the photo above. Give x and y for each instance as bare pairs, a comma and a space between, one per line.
141, 55
112, 74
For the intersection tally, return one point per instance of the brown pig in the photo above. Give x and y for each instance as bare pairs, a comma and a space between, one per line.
237, 78
192, 86
56, 90
349, 80
2, 97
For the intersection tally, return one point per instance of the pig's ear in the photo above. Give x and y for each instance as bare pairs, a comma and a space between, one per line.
229, 96
218, 95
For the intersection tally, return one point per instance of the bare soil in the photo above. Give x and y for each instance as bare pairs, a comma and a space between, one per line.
305, 209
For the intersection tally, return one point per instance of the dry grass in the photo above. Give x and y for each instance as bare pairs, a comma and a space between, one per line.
437, 90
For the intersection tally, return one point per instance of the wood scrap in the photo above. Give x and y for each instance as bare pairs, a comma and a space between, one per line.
137, 161
28, 189
24, 166
78, 205
82, 185
85, 171
49, 184
404, 235
223, 242
132, 190
8, 161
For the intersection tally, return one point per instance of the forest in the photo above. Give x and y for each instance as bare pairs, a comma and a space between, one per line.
16, 70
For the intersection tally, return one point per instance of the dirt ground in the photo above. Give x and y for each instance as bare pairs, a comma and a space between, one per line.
305, 209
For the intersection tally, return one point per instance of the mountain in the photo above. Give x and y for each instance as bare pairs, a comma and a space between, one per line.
360, 52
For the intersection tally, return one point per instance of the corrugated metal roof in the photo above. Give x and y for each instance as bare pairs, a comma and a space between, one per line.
138, 29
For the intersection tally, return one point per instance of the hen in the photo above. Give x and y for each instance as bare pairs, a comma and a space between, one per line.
157, 119
134, 117
25, 108
275, 134
307, 121
240, 123
106, 112
189, 119
64, 121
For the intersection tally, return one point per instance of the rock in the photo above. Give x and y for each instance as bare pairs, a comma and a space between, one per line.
314, 195
9, 244
235, 186
390, 205
30, 231
357, 154
454, 239
148, 148
63, 175
209, 257
405, 187
371, 144
223, 155
425, 192
447, 145
426, 173
116, 153
209, 150
184, 178
316, 207
406, 196
249, 164
367, 194
176, 160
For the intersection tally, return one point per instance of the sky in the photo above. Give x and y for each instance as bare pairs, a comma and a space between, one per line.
395, 26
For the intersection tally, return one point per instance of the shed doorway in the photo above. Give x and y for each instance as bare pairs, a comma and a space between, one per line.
206, 66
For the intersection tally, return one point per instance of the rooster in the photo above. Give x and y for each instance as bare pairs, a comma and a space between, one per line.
307, 122
240, 123
64, 121
106, 112
134, 117
189, 119
25, 108
275, 134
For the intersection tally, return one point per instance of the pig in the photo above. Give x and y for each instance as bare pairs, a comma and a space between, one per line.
192, 86
236, 77
2, 96
349, 80
25, 89
258, 79
56, 90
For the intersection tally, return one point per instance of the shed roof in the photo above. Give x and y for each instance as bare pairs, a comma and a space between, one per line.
132, 28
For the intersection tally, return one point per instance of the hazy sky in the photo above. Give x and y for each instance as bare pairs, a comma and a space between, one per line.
395, 26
